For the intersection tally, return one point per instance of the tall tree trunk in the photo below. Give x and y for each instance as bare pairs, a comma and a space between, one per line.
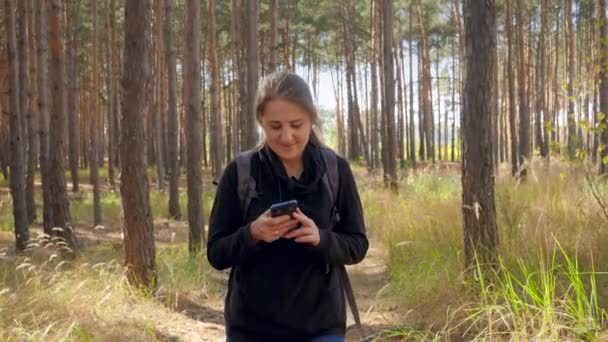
159, 125
34, 125
173, 131
60, 204
603, 25
74, 94
572, 139
412, 126
25, 98
193, 117
43, 112
478, 209
390, 170
454, 72
94, 134
543, 114
556, 84
138, 225
439, 157
376, 36
109, 55
17, 176
272, 60
426, 81
400, 105
524, 108
252, 74
215, 128
512, 111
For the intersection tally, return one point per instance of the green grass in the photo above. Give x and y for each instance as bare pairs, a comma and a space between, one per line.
421, 228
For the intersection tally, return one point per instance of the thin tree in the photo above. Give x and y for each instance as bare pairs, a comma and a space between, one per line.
478, 209
173, 129
389, 143
272, 60
216, 114
138, 226
512, 110
252, 74
524, 107
60, 203
74, 93
193, 120
109, 56
25, 110
543, 116
43, 112
94, 117
412, 127
603, 24
159, 124
572, 139
17, 169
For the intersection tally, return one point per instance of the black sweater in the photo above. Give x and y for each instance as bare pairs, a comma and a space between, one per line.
284, 290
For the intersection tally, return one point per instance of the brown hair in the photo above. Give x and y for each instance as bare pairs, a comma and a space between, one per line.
288, 86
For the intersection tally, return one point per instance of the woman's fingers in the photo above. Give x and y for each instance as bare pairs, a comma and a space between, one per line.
299, 215
299, 232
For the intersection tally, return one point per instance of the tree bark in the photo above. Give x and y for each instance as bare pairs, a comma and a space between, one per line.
478, 209
390, 170
159, 124
252, 74
138, 225
17, 167
43, 112
512, 112
272, 60
216, 114
173, 129
74, 94
94, 117
26, 99
572, 139
193, 120
60, 204
524, 107
603, 25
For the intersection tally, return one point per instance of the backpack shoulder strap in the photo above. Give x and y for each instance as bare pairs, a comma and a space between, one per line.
246, 184
331, 178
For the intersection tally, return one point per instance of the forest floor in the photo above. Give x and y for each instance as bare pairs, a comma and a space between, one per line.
201, 314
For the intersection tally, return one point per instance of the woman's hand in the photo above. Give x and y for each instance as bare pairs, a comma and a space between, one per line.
308, 233
268, 229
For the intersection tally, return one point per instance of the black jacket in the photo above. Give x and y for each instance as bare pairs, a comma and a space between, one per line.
285, 290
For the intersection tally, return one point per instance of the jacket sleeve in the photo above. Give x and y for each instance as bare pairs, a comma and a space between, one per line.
229, 242
347, 243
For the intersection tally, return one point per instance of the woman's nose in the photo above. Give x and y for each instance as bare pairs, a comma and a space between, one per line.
286, 136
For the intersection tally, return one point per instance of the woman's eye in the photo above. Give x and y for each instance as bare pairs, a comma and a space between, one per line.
296, 126
276, 128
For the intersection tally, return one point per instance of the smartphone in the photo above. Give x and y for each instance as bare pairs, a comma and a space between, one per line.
283, 208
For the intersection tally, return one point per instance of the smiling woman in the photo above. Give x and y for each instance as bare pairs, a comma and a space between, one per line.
287, 273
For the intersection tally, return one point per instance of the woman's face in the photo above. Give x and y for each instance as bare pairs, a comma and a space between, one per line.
287, 126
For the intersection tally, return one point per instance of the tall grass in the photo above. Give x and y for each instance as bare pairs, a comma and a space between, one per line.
533, 296
44, 297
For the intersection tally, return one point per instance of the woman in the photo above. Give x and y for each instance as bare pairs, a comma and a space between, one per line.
284, 284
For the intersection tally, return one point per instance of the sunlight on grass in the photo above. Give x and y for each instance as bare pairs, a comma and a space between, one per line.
54, 299
421, 228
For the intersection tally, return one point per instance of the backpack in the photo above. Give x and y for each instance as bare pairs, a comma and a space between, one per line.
247, 191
